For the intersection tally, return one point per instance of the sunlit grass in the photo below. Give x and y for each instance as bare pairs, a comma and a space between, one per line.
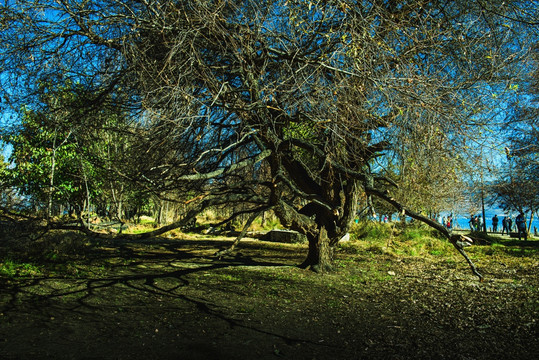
397, 240
10, 268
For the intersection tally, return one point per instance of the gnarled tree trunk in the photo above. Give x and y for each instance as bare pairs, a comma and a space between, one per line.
320, 255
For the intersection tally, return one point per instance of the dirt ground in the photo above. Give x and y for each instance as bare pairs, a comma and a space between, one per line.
170, 299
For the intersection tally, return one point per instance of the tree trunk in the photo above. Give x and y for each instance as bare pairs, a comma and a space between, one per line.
51, 179
320, 255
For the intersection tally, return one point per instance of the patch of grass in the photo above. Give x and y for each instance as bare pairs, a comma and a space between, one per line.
372, 274
11, 269
142, 227
387, 239
144, 220
414, 234
269, 222
494, 249
371, 231
424, 246
228, 277
499, 249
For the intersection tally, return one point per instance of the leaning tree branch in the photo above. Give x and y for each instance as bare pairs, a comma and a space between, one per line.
208, 202
212, 174
458, 241
312, 197
252, 218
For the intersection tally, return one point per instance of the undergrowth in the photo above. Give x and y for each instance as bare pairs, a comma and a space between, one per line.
397, 239
12, 268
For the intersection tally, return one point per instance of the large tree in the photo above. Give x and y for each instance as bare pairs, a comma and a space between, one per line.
321, 93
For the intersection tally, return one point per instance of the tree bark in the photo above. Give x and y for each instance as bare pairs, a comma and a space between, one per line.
320, 255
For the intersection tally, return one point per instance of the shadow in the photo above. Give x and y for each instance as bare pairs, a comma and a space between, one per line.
151, 282
481, 238
532, 244
171, 299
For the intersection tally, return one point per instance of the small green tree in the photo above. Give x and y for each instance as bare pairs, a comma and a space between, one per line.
46, 165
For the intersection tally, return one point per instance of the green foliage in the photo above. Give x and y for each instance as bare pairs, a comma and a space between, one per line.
46, 151
371, 231
398, 240
3, 172
65, 155
11, 268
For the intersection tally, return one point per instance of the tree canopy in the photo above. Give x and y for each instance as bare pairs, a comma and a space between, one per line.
295, 106
517, 187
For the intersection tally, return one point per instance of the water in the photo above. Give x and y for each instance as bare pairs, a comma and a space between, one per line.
464, 221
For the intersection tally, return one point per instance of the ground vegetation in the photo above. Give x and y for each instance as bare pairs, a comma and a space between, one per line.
69, 296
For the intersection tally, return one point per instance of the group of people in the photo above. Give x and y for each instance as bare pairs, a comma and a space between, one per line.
476, 223
507, 225
446, 221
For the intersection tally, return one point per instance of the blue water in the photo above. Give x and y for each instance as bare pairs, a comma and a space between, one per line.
463, 221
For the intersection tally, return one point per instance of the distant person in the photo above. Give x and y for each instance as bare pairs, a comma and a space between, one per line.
479, 223
504, 225
520, 222
472, 223
509, 224
495, 223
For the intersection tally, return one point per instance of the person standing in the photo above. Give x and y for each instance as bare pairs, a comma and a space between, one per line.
504, 225
520, 221
479, 223
495, 223
472, 223
509, 225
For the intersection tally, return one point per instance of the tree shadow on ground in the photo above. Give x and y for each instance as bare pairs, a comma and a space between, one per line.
532, 244
171, 299
154, 283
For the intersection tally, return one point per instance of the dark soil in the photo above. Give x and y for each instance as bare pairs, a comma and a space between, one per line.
170, 299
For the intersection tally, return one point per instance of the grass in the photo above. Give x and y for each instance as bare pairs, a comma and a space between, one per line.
394, 284
397, 240
11, 269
